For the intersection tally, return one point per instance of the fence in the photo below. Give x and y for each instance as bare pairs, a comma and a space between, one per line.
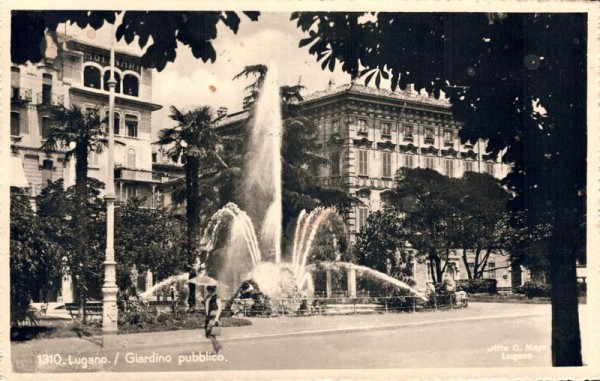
342, 305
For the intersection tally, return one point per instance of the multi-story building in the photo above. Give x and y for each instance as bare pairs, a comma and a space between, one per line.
368, 134
77, 74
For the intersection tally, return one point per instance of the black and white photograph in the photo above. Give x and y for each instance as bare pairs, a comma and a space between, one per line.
323, 188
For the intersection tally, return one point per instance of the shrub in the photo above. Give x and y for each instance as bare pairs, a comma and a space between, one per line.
534, 289
477, 286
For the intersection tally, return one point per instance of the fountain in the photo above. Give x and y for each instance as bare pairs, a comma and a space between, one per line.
263, 203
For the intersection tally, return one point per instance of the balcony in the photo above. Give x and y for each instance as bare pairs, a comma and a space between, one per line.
429, 140
20, 96
133, 175
140, 175
50, 99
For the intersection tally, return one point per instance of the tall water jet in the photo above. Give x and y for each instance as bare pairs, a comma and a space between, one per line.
262, 181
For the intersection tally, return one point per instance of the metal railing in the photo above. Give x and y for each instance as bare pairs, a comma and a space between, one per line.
342, 305
19, 94
50, 99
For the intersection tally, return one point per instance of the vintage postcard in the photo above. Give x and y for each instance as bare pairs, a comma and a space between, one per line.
261, 190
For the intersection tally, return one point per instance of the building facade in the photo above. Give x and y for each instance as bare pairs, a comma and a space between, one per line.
77, 74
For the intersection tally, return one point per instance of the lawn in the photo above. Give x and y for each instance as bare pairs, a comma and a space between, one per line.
52, 328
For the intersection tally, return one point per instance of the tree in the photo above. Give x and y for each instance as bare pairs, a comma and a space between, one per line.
159, 33
381, 244
150, 239
77, 133
429, 202
34, 259
75, 220
484, 226
195, 140
496, 70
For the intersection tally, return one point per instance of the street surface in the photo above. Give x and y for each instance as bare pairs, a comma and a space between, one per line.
482, 335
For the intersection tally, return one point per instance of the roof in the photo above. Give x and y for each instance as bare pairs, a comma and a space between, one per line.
353, 88
232, 118
349, 88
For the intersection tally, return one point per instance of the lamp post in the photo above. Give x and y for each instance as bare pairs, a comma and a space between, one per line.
109, 289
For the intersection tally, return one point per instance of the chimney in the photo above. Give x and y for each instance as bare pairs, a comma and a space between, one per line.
331, 84
221, 112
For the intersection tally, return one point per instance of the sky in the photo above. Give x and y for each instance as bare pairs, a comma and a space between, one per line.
188, 82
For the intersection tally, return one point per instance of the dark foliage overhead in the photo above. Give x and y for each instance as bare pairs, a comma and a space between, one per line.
195, 30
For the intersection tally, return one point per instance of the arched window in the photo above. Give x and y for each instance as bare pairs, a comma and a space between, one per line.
131, 158
131, 85
91, 77
117, 78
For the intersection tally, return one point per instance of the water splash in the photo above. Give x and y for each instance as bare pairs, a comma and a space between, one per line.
262, 180
370, 272
165, 282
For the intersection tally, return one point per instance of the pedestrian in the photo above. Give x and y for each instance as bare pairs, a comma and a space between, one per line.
213, 309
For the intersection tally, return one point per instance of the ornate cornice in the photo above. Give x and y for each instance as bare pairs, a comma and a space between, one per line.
387, 145
408, 148
470, 154
449, 152
431, 150
363, 143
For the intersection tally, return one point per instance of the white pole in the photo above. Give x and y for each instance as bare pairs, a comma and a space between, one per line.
109, 289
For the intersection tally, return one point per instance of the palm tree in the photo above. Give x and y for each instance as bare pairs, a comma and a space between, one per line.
77, 133
194, 140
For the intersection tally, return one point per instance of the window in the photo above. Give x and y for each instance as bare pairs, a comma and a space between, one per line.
91, 77
471, 267
387, 164
449, 167
491, 270
154, 157
335, 127
116, 123
362, 162
131, 158
46, 127
362, 126
15, 124
429, 135
361, 220
386, 129
429, 163
335, 163
131, 125
117, 78
409, 161
131, 85
448, 136
489, 168
93, 159
468, 166
47, 89
408, 131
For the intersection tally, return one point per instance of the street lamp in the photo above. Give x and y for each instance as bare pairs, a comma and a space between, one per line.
109, 289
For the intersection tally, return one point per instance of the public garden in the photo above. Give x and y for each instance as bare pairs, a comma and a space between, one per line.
277, 244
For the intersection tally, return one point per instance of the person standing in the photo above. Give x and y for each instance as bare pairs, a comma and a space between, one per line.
213, 309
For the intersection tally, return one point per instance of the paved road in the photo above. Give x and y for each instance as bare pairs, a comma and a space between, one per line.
463, 338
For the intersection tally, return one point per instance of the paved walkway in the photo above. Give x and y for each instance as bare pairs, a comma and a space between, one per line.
264, 328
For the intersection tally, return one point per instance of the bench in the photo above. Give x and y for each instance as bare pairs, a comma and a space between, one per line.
91, 309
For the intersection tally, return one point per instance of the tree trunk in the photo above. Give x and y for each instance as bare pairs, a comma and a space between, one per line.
81, 165
466, 262
566, 336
